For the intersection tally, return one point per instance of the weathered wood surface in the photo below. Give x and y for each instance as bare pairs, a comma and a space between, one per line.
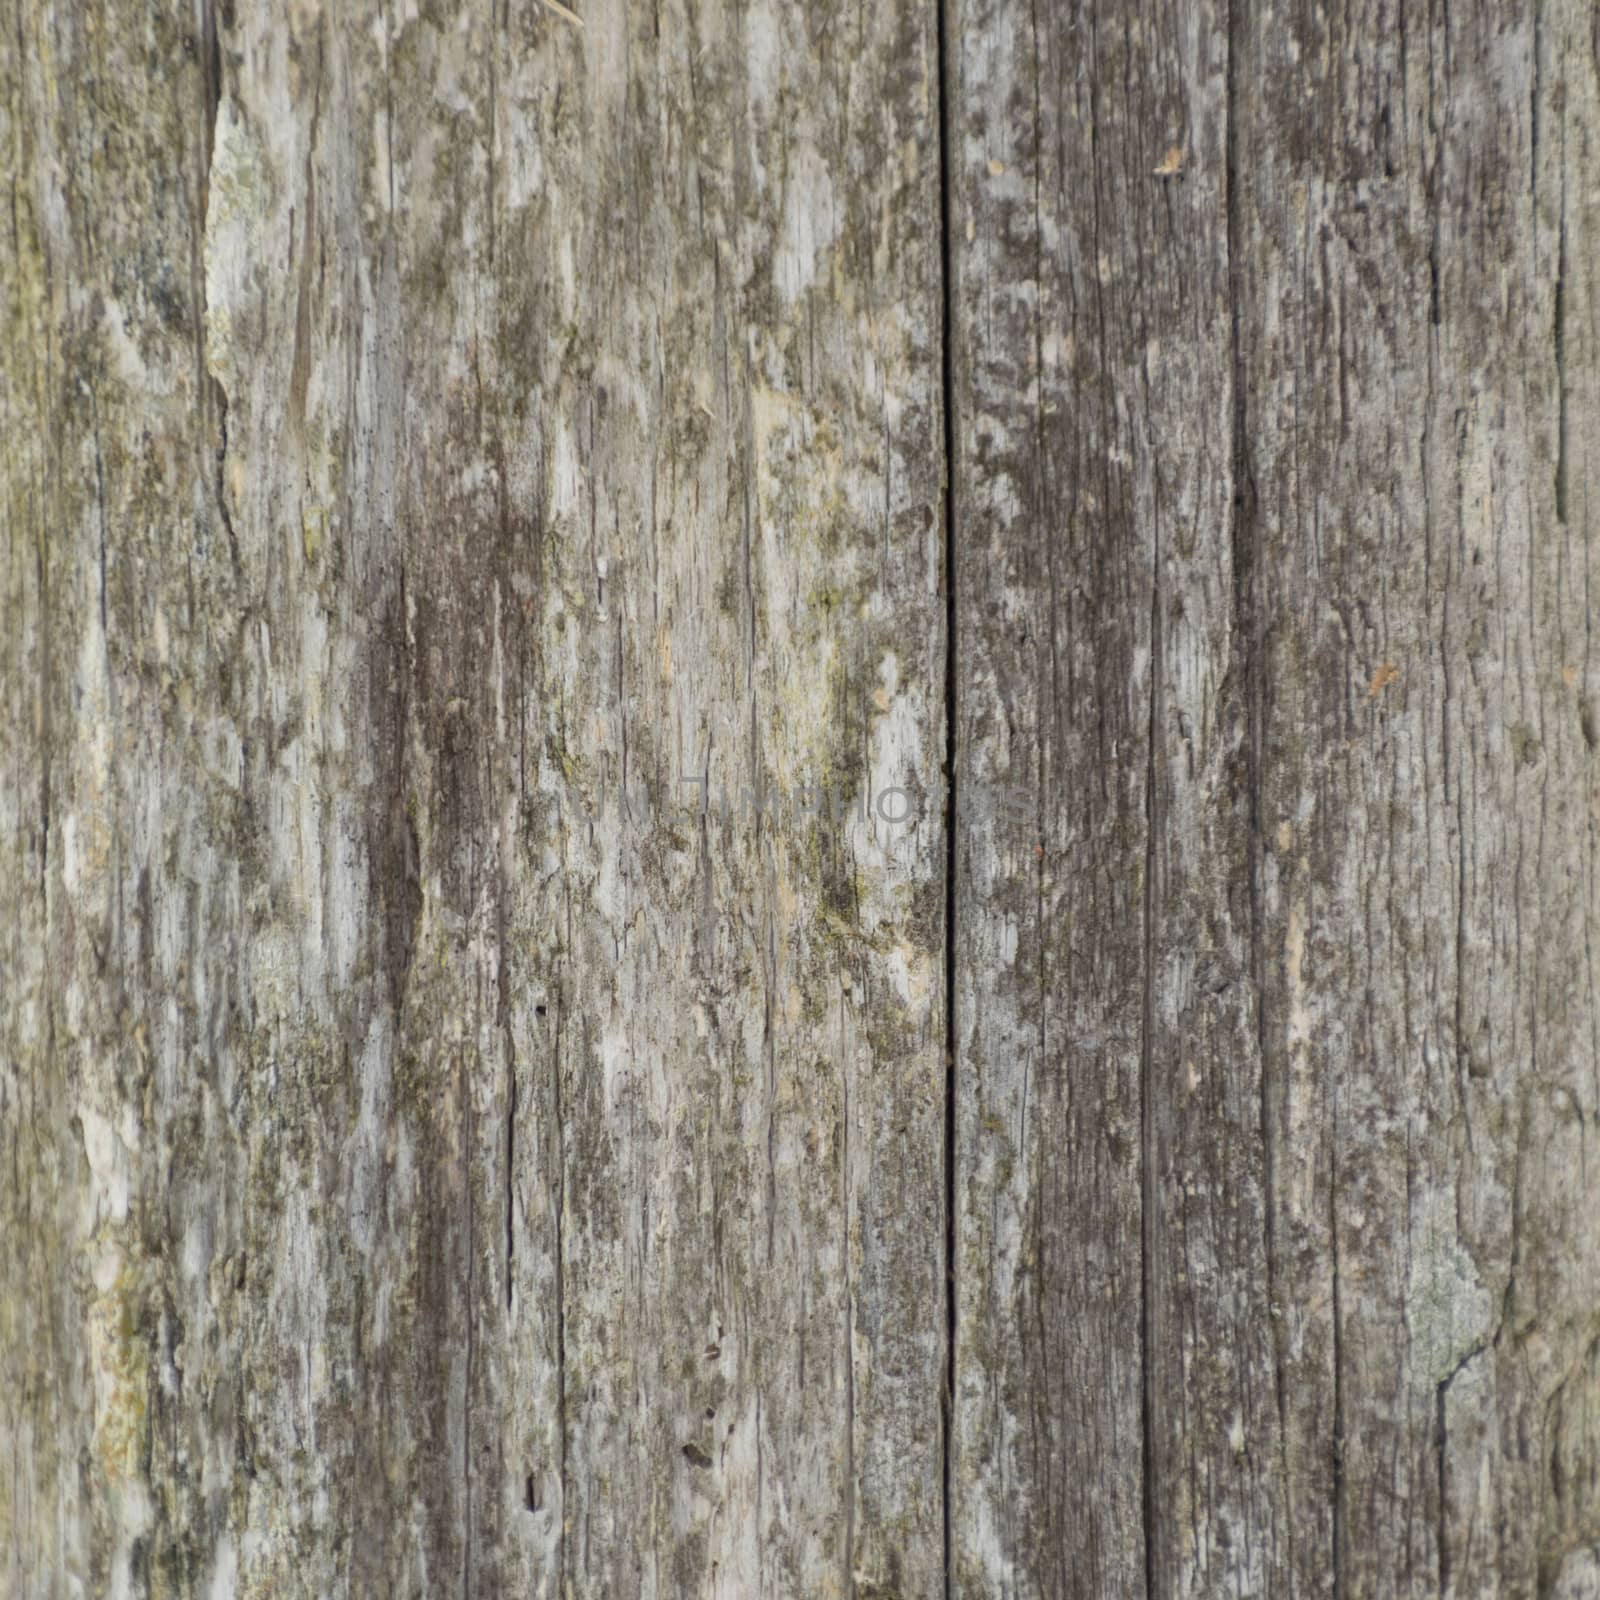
1279, 1270
442, 449
443, 1159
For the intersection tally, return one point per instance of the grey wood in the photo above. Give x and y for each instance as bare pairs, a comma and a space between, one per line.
799, 800
1275, 1012
444, 1157
1115, 1418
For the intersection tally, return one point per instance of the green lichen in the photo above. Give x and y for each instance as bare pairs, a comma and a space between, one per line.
1448, 1307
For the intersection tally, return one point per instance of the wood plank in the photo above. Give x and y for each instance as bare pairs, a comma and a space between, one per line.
1112, 1332
481, 493
1419, 321
534, 1183
1308, 496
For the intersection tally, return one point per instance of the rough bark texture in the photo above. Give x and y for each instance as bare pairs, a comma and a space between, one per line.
799, 799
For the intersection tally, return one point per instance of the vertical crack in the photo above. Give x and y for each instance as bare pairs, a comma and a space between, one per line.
1336, 1555
42, 577
947, 76
1148, 1189
509, 1045
1248, 610
211, 386
511, 1167
1441, 1448
561, 1279
849, 1323
468, 1142
1560, 332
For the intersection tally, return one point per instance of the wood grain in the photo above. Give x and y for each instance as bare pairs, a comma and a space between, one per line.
1274, 1008
799, 800
469, 1163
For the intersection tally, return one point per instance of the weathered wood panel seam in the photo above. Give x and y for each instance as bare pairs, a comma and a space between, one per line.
945, 66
